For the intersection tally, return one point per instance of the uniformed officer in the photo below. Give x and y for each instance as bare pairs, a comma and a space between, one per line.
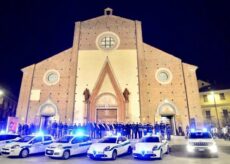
60, 127
54, 128
65, 129
168, 132
157, 128
140, 130
162, 129
20, 129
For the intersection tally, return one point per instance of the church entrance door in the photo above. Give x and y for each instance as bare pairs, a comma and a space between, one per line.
106, 115
170, 119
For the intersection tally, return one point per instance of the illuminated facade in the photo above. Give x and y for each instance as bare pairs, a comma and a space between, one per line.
110, 74
216, 107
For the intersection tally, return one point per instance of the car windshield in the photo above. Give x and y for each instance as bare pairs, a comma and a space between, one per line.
25, 139
108, 140
65, 139
150, 139
200, 135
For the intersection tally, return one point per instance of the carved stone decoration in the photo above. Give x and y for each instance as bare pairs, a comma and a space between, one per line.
86, 93
126, 94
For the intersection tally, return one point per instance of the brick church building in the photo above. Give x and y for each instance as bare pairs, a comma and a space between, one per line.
110, 74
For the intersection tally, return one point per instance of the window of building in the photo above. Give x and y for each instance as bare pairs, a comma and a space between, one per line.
208, 114
205, 97
222, 96
107, 41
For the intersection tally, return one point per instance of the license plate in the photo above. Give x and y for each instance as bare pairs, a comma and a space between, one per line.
200, 149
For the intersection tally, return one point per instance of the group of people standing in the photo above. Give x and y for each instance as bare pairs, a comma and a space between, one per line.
98, 130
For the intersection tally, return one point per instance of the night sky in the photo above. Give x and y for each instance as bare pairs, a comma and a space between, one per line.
196, 31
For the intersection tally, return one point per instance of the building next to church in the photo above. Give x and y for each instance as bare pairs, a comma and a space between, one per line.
215, 107
110, 74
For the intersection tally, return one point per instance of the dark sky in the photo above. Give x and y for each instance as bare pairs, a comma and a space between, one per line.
196, 31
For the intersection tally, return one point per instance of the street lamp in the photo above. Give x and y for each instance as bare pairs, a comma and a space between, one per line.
214, 99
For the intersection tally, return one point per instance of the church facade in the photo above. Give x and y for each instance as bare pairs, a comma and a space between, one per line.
110, 74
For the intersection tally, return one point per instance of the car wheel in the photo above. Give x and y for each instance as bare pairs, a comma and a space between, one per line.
129, 151
24, 153
114, 155
66, 155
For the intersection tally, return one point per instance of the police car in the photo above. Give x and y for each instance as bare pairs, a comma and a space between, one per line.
151, 146
30, 144
110, 147
201, 142
7, 138
68, 145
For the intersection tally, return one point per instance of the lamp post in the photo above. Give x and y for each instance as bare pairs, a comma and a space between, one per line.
214, 99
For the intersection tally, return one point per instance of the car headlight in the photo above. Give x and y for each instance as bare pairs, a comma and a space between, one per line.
107, 148
15, 147
155, 147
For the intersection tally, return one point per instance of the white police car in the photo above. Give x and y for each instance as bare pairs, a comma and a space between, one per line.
30, 144
150, 146
110, 147
68, 146
7, 138
201, 142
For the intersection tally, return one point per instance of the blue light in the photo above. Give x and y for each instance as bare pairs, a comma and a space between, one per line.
3, 132
192, 130
79, 133
40, 133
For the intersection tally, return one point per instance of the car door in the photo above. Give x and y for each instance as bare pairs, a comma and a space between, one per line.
125, 146
76, 149
47, 140
119, 146
36, 145
86, 142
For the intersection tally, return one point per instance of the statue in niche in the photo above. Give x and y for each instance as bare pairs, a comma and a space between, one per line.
126, 94
86, 94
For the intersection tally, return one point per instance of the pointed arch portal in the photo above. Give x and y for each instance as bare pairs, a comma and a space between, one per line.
115, 104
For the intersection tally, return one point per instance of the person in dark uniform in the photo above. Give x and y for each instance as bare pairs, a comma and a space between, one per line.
157, 128
20, 129
162, 129
102, 129
54, 129
128, 130
65, 129
140, 130
75, 127
145, 129
70, 129
149, 128
60, 127
168, 132
116, 127
134, 130
25, 129
98, 130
